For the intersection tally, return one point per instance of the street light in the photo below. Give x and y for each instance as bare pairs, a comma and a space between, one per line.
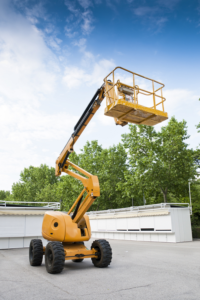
189, 182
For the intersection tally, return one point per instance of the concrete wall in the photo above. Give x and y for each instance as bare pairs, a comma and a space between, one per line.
16, 231
149, 223
162, 224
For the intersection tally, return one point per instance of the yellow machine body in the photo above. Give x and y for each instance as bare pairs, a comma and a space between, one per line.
58, 226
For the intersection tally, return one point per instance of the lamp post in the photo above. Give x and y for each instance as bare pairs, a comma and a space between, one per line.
189, 182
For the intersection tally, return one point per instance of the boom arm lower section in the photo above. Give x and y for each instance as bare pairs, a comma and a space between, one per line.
91, 187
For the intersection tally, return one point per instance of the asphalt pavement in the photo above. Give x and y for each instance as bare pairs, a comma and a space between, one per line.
139, 270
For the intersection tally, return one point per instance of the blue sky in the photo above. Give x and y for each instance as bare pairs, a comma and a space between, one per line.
55, 54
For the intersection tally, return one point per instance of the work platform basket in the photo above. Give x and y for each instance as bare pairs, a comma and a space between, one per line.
139, 100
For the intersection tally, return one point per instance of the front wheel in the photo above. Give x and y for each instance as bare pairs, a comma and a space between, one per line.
104, 253
54, 257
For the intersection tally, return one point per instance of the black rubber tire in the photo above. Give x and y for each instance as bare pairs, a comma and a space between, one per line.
54, 257
105, 253
77, 260
35, 252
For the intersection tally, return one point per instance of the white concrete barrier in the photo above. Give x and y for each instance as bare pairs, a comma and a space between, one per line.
19, 225
157, 223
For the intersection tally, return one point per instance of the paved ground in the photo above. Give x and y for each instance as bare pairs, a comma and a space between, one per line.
139, 270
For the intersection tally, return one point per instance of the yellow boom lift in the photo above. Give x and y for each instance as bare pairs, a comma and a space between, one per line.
66, 232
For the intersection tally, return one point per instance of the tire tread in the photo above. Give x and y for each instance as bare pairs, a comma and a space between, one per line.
37, 252
106, 253
59, 258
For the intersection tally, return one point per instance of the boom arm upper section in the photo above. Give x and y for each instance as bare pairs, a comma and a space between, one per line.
89, 112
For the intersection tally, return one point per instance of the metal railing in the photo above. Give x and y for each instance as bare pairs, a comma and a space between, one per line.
136, 89
53, 205
151, 207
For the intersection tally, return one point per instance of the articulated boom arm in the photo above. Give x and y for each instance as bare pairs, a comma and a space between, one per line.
125, 106
91, 183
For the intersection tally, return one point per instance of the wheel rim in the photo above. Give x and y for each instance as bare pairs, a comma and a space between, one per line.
99, 251
49, 257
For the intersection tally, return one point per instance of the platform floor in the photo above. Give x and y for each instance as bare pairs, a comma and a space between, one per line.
139, 270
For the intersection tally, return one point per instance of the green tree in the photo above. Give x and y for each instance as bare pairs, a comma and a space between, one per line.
108, 164
4, 194
113, 166
32, 181
159, 161
195, 195
67, 191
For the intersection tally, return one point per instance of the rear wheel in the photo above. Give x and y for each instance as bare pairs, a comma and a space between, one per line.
104, 253
54, 257
35, 252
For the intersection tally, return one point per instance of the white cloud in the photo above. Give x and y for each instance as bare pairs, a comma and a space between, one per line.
161, 21
87, 22
100, 70
21, 122
37, 15
104, 120
178, 99
75, 76
72, 6
157, 9
81, 18
36, 12
85, 3
81, 44
54, 42
112, 4
27, 66
168, 4
155, 15
145, 10
69, 32
29, 72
